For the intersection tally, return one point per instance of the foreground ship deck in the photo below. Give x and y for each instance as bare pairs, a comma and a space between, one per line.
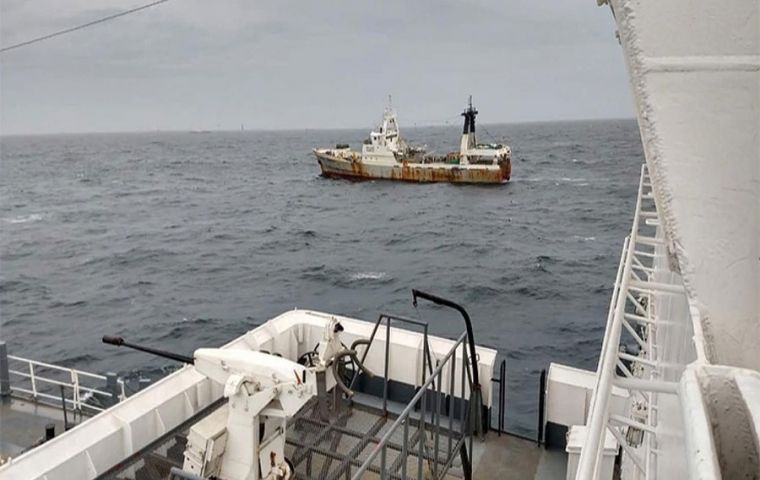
337, 449
24, 422
424, 417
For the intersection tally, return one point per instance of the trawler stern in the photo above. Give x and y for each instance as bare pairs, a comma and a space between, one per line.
505, 165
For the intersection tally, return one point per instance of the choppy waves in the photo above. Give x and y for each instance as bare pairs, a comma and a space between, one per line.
182, 241
32, 217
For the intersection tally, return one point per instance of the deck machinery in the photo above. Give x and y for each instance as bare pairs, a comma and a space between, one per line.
306, 395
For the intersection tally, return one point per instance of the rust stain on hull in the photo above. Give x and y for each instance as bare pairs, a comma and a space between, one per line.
355, 169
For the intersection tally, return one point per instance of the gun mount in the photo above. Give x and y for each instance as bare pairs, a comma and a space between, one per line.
263, 392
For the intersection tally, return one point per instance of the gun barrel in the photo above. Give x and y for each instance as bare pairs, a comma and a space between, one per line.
119, 342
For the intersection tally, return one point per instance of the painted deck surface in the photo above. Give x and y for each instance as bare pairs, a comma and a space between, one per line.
508, 457
504, 457
22, 424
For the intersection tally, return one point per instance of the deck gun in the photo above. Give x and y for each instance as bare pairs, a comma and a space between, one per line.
263, 392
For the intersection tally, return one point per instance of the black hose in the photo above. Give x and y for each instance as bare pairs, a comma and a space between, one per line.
361, 341
352, 355
335, 363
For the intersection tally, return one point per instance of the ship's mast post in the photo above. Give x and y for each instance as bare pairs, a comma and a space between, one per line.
468, 133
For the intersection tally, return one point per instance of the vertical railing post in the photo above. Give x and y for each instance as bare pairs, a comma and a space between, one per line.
65, 410
541, 400
461, 393
466, 465
32, 379
472, 410
405, 448
5, 376
112, 387
463, 454
75, 391
452, 377
421, 427
502, 395
383, 469
436, 445
423, 408
387, 361
426, 360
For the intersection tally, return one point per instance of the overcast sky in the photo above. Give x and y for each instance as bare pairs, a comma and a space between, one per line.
279, 64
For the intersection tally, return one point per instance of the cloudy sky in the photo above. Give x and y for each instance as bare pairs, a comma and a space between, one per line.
278, 64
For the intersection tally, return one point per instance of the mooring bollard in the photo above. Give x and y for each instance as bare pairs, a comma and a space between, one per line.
5, 377
49, 431
112, 387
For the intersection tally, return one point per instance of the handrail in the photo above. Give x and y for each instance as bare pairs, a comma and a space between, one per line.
479, 420
501, 380
37, 378
56, 367
599, 408
405, 414
75, 375
467, 322
426, 358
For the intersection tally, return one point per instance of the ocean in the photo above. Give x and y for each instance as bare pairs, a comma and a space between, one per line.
181, 240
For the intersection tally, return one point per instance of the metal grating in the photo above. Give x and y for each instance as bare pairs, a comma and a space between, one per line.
156, 460
337, 448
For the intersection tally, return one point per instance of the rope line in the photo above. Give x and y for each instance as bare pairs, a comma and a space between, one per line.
80, 27
496, 140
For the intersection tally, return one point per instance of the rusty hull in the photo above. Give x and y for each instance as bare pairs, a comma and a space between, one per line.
333, 166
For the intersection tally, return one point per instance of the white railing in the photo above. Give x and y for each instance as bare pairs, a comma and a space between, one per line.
631, 310
81, 390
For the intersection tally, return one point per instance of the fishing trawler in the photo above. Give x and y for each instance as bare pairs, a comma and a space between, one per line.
676, 393
385, 155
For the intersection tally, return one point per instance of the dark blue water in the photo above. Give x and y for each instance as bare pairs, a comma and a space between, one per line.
184, 240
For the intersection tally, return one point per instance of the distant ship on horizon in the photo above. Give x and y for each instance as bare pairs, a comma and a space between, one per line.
385, 155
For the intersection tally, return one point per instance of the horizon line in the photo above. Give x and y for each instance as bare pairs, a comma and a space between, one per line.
411, 125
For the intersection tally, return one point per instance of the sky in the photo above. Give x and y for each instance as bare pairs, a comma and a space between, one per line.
293, 64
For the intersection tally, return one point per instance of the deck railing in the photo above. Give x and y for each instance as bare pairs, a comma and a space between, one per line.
631, 311
81, 391
439, 417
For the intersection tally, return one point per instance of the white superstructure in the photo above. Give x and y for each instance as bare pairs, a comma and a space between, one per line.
688, 288
384, 143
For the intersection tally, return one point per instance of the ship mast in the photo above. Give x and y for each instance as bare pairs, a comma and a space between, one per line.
468, 133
